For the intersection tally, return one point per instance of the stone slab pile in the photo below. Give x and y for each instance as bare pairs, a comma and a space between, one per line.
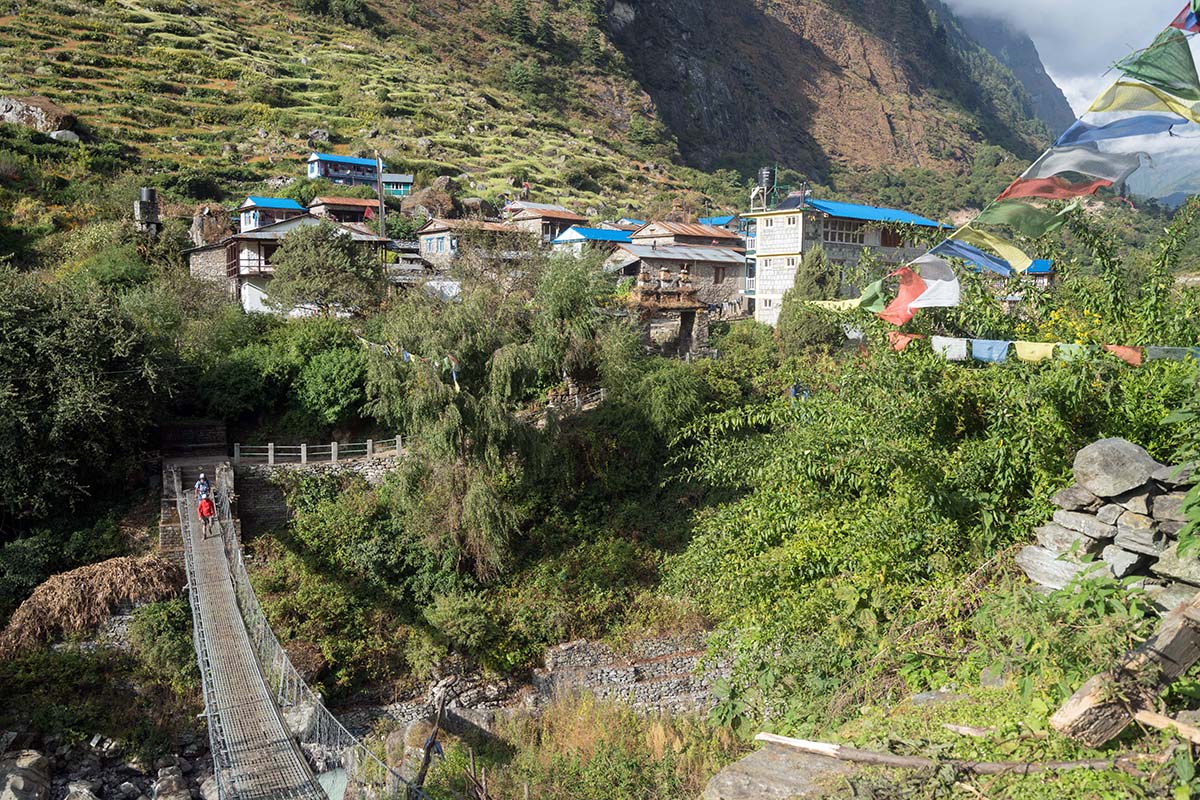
1121, 518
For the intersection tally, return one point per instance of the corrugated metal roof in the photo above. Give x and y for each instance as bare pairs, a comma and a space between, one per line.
358, 202
685, 252
278, 203
631, 221
525, 205
437, 225
1041, 266
576, 233
396, 177
870, 213
277, 230
362, 162
548, 213
687, 229
718, 221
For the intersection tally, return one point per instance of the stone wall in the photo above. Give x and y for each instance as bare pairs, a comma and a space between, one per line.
261, 502
208, 264
1121, 518
372, 470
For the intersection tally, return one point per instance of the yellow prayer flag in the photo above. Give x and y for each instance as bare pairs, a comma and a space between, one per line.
1006, 250
1130, 96
1034, 351
837, 305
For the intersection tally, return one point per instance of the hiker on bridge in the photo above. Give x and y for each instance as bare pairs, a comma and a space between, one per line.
206, 511
203, 487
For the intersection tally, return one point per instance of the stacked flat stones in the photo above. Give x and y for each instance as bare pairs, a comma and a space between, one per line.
1125, 511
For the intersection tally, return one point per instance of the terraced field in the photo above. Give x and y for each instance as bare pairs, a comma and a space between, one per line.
224, 86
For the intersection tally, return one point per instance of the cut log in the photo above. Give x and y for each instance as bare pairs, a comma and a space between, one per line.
1162, 722
1107, 703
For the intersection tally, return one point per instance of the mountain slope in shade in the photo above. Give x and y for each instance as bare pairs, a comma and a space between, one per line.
1016, 51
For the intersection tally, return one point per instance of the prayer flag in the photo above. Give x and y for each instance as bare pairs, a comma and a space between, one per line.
1085, 159
1072, 352
911, 287
952, 248
1167, 64
951, 349
1052, 188
839, 306
1034, 352
1014, 255
1131, 96
872, 298
993, 351
1141, 125
1167, 353
899, 340
941, 284
1029, 220
1130, 355
1188, 19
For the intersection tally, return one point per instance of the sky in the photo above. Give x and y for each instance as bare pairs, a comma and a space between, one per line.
1080, 39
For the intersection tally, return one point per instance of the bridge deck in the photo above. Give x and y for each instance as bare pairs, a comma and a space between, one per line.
262, 760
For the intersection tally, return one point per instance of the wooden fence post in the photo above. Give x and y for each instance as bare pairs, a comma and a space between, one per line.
270, 453
333, 451
237, 453
370, 448
304, 453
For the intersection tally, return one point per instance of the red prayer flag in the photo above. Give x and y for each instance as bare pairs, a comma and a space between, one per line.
1130, 355
911, 287
1187, 20
899, 340
1052, 188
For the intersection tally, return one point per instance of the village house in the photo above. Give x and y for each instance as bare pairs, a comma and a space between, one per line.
344, 170
545, 221
344, 209
578, 240
442, 240
623, 224
241, 264
397, 185
778, 238
685, 233
256, 212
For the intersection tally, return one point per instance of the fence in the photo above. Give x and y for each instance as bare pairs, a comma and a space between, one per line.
304, 453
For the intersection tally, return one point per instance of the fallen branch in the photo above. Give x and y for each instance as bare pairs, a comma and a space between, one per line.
1163, 723
843, 753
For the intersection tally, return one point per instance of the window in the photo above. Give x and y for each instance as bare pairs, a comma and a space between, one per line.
890, 238
791, 220
441, 244
791, 262
768, 222
718, 275
843, 231
767, 303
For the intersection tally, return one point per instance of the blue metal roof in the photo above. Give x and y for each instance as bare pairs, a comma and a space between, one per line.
362, 162
280, 203
870, 213
631, 221
1041, 266
592, 235
717, 221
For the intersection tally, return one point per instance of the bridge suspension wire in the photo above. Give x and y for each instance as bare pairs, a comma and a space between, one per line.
250, 684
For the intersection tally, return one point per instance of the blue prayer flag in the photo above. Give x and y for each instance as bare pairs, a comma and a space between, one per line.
993, 351
957, 249
1141, 125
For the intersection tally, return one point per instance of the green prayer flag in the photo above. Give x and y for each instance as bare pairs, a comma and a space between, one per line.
872, 298
1025, 218
1167, 64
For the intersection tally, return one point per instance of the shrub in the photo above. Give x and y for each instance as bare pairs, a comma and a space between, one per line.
330, 385
161, 635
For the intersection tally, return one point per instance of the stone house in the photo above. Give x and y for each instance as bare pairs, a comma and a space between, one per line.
441, 241
344, 209
717, 274
547, 222
685, 233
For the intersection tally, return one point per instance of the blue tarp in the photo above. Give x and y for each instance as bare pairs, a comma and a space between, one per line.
870, 213
273, 202
592, 235
1041, 266
1141, 125
956, 249
717, 221
362, 162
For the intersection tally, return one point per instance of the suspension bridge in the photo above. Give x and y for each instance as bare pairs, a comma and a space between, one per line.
270, 734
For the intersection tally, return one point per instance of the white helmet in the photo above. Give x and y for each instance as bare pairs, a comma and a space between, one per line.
201, 476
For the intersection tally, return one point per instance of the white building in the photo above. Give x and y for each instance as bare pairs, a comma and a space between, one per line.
782, 235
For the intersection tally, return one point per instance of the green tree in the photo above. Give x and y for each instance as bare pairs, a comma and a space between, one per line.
322, 267
802, 324
519, 23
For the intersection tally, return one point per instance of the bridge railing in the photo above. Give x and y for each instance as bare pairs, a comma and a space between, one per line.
330, 748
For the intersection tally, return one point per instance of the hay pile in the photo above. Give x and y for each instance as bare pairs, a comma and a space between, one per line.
78, 601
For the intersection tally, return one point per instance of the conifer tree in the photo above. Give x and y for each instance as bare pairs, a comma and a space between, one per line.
520, 26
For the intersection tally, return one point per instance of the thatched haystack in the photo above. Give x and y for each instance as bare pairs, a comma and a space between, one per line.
78, 601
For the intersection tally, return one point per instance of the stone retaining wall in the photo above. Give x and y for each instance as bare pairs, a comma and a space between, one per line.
1121, 518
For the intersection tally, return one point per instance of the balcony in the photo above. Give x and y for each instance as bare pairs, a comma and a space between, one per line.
749, 285
249, 265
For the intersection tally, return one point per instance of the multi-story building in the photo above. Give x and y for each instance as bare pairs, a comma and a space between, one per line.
345, 170
397, 185
257, 212
778, 238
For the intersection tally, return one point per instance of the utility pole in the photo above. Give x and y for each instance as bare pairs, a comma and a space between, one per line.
379, 192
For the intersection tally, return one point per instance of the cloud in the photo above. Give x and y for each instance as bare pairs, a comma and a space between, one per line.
1079, 39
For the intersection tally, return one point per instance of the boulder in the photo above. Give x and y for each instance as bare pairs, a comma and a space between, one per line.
1137, 501
208, 789
24, 775
1171, 565
1110, 513
1086, 524
65, 136
301, 720
1176, 476
1076, 498
478, 208
1139, 534
318, 135
1053, 571
1057, 539
778, 773
40, 113
1169, 507
430, 201
1112, 467
1122, 562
